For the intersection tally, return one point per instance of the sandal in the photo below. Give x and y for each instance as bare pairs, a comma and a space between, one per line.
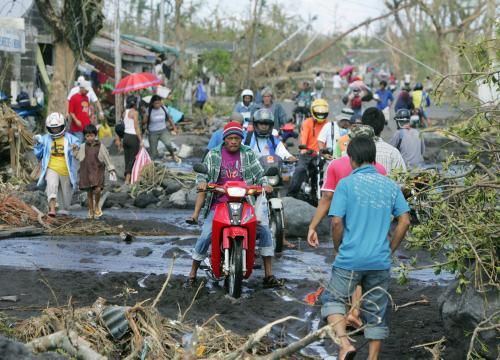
272, 282
289, 245
52, 213
190, 283
191, 221
90, 215
97, 213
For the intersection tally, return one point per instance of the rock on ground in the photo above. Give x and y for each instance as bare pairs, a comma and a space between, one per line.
144, 199
461, 314
298, 215
179, 199
117, 199
143, 252
171, 186
36, 198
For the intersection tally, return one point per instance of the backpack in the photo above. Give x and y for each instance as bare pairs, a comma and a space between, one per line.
318, 84
201, 95
120, 129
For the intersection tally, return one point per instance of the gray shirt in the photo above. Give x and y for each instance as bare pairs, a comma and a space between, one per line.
158, 119
411, 146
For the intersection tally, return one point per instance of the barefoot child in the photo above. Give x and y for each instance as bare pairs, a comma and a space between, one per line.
94, 158
58, 168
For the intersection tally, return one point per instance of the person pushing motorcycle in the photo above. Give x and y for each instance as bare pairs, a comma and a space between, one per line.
231, 161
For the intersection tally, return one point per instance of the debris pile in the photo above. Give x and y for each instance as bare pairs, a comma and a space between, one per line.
103, 331
16, 144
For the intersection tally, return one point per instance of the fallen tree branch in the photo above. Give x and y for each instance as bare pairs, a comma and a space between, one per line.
480, 328
423, 301
69, 342
256, 337
440, 341
164, 284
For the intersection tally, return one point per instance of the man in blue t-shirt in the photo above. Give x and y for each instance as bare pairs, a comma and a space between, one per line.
362, 209
384, 100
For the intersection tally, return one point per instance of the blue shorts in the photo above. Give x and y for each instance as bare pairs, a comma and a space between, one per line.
336, 298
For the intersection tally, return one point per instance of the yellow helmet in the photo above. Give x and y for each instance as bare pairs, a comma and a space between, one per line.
319, 110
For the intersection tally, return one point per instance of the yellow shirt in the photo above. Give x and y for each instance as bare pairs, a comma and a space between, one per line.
57, 160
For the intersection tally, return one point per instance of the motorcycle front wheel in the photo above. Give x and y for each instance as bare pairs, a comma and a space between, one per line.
277, 230
233, 281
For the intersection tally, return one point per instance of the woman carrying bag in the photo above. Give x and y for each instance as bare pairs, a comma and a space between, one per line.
157, 128
132, 138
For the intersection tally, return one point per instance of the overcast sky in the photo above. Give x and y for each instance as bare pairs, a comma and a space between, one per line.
341, 14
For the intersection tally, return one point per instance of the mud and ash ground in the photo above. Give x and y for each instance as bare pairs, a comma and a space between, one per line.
410, 326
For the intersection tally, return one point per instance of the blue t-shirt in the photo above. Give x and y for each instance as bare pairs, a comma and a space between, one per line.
366, 201
215, 140
384, 95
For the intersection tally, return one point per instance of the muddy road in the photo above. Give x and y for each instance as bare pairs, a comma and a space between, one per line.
48, 271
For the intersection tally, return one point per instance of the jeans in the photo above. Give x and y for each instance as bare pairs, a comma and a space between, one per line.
154, 137
264, 237
342, 284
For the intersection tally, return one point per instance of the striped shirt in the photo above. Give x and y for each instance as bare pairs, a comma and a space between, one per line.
388, 156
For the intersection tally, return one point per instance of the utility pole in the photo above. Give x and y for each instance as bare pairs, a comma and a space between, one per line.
162, 22
252, 43
118, 60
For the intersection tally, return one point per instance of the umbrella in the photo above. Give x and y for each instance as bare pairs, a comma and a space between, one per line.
346, 70
136, 81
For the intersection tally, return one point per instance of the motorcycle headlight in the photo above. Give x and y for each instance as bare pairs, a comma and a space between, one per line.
273, 180
237, 192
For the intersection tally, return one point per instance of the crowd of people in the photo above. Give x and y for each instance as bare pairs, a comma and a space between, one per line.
355, 189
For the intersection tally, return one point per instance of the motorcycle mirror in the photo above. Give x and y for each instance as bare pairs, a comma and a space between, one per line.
302, 147
200, 168
272, 171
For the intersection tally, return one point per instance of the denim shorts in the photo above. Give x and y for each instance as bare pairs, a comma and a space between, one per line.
336, 298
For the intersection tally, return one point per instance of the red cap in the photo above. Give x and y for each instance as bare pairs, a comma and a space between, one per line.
233, 128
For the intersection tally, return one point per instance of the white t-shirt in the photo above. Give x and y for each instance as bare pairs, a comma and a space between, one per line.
158, 119
327, 137
91, 94
337, 81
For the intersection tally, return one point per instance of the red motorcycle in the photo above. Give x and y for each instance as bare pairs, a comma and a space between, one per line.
234, 232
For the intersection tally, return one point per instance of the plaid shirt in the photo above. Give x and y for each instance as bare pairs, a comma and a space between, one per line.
252, 171
389, 156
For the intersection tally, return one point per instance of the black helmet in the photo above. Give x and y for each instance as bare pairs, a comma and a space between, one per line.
402, 116
263, 116
131, 101
418, 86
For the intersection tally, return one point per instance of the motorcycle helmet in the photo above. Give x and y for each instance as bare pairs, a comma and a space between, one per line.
319, 110
247, 92
263, 116
402, 117
418, 86
55, 125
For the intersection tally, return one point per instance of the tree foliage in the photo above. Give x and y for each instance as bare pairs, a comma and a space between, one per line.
458, 206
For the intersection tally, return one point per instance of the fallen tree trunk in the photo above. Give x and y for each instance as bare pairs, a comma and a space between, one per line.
67, 341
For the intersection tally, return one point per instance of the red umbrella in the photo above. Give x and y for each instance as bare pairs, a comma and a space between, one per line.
346, 70
136, 82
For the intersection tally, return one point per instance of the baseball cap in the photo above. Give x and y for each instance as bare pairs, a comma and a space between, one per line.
362, 130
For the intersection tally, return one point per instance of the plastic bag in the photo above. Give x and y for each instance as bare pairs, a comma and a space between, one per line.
262, 209
142, 159
105, 131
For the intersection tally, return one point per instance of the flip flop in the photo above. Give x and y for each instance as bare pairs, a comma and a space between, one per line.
191, 221
350, 355
289, 245
52, 214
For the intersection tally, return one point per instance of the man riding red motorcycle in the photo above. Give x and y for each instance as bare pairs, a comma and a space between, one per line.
231, 162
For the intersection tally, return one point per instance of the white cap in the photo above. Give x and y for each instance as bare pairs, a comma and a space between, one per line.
85, 84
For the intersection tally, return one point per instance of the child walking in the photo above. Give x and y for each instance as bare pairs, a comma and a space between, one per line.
94, 159
58, 168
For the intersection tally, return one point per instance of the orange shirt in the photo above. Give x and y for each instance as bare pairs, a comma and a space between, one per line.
309, 133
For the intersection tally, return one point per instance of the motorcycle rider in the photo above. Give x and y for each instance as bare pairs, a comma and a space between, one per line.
408, 141
305, 94
280, 117
420, 98
262, 140
404, 100
246, 107
231, 161
311, 128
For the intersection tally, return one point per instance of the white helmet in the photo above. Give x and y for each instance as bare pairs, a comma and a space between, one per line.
246, 92
55, 124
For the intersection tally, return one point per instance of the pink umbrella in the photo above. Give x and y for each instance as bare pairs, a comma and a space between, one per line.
346, 70
136, 81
